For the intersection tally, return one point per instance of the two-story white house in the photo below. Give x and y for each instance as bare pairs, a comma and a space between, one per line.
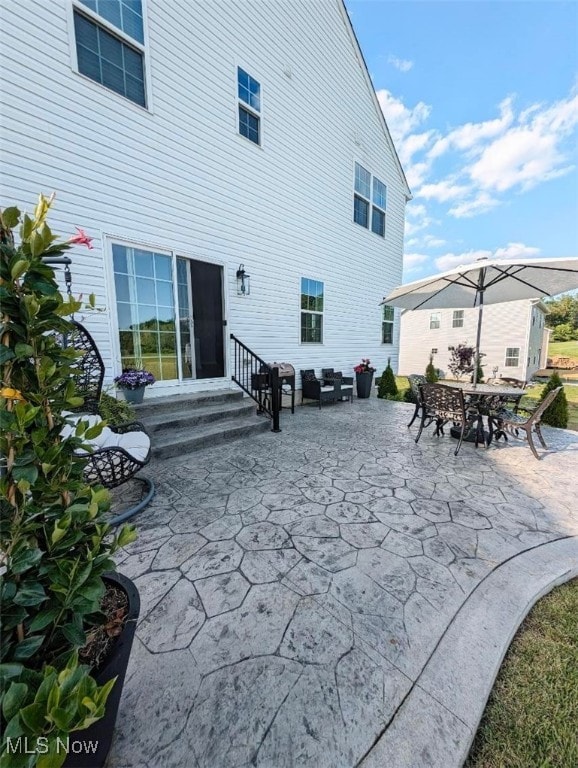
514, 338
230, 160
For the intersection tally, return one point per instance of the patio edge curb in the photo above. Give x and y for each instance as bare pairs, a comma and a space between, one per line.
436, 724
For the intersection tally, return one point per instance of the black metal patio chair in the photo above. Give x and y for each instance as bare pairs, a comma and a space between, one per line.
415, 379
442, 404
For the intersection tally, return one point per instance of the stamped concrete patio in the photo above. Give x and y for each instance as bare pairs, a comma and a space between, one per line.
307, 596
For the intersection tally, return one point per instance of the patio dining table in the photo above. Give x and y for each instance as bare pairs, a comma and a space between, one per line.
484, 397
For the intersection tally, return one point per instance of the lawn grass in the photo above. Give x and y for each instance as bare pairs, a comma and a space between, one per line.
531, 717
563, 349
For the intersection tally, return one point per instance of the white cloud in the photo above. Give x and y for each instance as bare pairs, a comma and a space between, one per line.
412, 260
443, 191
416, 219
514, 151
516, 251
404, 65
511, 251
481, 203
470, 135
401, 120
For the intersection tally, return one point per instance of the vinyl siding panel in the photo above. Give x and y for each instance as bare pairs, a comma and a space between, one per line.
504, 325
179, 177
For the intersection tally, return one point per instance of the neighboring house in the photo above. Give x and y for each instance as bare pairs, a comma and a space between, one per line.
514, 339
198, 140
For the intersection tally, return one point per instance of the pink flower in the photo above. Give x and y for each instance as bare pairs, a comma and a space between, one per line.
81, 238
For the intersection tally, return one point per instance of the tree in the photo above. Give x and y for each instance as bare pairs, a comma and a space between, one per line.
556, 414
564, 332
387, 388
431, 372
562, 311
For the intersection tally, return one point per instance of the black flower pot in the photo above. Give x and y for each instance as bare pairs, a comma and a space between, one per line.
80, 753
363, 384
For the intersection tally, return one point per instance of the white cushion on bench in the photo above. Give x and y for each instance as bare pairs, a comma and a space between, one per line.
136, 444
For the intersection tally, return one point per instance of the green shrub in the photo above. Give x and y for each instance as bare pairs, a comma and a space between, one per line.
387, 388
408, 396
115, 411
556, 414
431, 372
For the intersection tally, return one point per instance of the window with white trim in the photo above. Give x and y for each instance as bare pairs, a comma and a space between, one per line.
387, 325
312, 300
435, 320
249, 106
369, 201
110, 45
512, 357
458, 318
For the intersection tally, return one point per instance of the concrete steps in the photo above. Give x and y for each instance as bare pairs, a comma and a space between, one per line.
185, 423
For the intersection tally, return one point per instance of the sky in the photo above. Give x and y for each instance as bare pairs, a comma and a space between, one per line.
481, 100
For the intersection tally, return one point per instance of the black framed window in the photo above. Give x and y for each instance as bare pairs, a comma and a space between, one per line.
312, 305
369, 201
249, 95
109, 59
387, 325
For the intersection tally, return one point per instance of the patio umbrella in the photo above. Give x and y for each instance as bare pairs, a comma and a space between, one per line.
487, 281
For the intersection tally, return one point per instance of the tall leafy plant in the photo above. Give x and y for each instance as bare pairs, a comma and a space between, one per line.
55, 544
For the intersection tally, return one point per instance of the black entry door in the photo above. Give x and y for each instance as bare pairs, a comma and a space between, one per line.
207, 290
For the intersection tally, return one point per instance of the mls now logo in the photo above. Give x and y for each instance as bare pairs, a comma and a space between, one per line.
41, 746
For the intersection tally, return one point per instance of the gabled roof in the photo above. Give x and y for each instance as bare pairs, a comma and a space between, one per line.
371, 89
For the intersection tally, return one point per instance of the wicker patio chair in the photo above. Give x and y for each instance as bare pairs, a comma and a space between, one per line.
442, 404
120, 451
343, 385
510, 423
415, 379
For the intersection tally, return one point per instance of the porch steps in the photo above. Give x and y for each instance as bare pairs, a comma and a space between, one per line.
185, 423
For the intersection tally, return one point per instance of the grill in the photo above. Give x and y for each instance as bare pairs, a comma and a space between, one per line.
261, 381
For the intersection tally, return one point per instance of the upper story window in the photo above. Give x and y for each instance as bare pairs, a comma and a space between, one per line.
311, 311
512, 357
458, 318
369, 201
109, 45
249, 94
435, 320
387, 325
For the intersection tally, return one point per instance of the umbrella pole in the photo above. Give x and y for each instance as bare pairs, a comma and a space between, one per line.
478, 339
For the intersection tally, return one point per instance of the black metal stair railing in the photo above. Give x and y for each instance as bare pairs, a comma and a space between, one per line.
258, 379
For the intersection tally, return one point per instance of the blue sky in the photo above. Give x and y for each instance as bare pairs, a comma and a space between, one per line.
481, 99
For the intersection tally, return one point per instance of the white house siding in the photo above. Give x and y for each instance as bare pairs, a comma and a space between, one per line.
504, 325
180, 177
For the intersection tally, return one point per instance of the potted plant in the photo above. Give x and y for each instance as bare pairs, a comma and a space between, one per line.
133, 381
364, 377
64, 611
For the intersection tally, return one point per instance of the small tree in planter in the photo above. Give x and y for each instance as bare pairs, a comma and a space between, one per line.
431, 373
556, 414
387, 388
55, 544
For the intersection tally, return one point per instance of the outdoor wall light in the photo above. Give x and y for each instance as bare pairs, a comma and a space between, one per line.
243, 281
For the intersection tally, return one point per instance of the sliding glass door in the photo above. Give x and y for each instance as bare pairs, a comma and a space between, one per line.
170, 314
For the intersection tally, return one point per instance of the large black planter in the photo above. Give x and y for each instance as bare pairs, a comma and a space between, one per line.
80, 754
363, 384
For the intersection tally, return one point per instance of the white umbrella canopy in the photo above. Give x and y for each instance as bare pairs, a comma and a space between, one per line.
487, 281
